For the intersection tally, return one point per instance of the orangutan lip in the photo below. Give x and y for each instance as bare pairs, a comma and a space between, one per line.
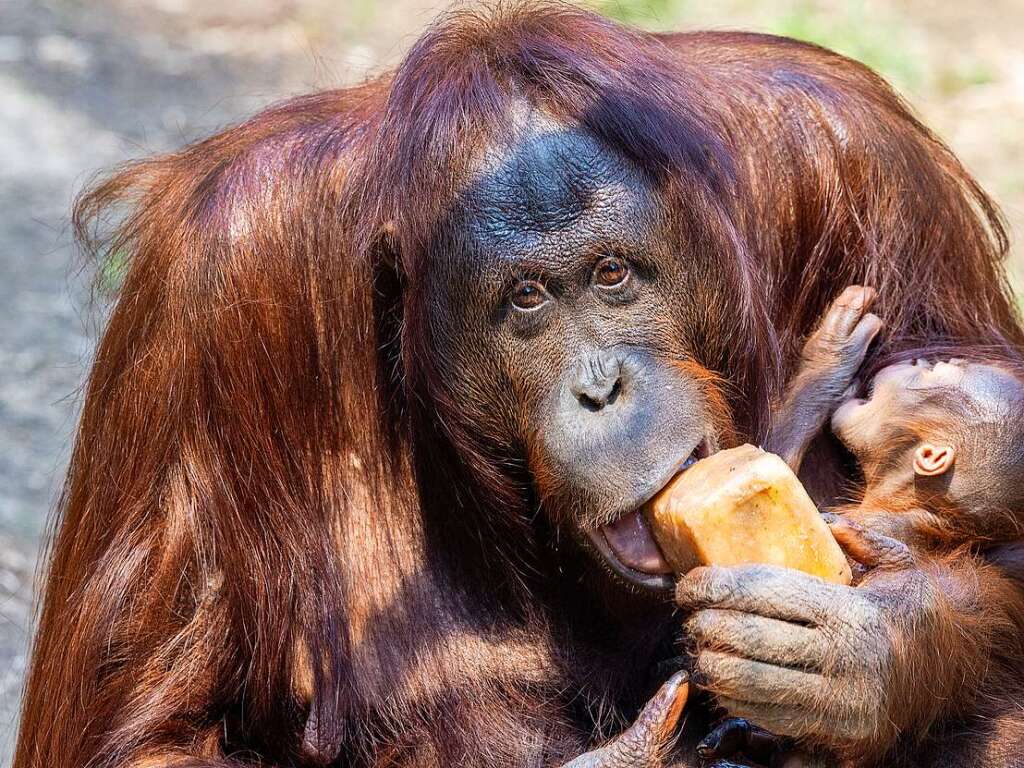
631, 540
661, 582
628, 544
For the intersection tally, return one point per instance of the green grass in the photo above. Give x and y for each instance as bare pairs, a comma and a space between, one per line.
111, 273
640, 12
851, 30
358, 16
880, 41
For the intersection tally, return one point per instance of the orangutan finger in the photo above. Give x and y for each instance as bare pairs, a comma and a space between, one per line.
765, 590
797, 720
660, 716
644, 743
755, 681
868, 547
864, 333
759, 638
736, 736
845, 312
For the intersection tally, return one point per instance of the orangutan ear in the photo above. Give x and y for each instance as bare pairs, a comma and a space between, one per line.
932, 460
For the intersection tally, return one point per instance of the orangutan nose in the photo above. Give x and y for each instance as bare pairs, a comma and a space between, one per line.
599, 380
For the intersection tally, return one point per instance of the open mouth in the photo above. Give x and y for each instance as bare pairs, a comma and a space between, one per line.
628, 544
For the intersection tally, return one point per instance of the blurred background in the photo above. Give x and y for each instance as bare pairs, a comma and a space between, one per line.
87, 84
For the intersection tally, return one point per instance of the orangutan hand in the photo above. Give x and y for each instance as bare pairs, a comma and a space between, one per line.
736, 743
801, 657
829, 362
645, 743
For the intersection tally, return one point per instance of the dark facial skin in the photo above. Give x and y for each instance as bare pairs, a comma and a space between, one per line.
567, 306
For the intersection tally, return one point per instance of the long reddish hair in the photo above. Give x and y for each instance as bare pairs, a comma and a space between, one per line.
247, 528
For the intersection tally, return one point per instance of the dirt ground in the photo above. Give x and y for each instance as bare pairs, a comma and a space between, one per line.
86, 84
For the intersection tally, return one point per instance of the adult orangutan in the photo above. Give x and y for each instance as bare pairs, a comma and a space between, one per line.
394, 366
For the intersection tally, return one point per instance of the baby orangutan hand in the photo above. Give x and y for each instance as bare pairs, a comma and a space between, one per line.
803, 658
829, 362
646, 743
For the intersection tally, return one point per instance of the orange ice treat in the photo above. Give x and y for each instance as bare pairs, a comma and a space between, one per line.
743, 505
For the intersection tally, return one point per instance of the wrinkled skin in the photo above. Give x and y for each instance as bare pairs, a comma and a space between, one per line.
566, 305
801, 657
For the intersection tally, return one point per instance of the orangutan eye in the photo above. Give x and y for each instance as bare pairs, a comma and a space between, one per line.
529, 294
611, 271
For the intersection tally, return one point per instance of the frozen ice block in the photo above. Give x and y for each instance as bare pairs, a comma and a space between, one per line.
744, 505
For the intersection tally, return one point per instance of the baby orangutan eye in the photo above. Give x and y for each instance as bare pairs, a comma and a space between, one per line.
529, 295
611, 271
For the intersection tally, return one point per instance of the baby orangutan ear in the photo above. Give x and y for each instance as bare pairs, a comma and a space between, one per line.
931, 460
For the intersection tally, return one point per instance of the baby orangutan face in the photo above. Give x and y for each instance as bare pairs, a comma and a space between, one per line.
931, 411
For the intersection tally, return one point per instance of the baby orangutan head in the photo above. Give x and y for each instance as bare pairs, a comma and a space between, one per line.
947, 435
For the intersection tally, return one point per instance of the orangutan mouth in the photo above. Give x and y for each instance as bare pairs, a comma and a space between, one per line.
628, 543
632, 542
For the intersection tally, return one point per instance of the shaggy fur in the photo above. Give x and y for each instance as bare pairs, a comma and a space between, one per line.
278, 543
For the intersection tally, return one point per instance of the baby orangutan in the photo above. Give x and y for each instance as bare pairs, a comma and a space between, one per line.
931, 626
941, 446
